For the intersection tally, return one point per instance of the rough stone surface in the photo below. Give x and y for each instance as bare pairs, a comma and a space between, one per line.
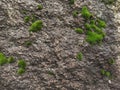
55, 47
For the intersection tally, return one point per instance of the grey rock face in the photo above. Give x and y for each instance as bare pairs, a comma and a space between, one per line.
55, 47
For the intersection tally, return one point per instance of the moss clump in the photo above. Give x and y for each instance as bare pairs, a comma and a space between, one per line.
22, 64
85, 12
101, 24
79, 30
10, 59
21, 71
111, 61
40, 7
97, 29
27, 19
71, 1
92, 22
105, 73
75, 13
36, 26
88, 27
102, 71
27, 43
79, 56
3, 59
94, 38
93, 27
94, 34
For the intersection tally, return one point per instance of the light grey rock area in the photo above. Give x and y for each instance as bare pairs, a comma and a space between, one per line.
51, 59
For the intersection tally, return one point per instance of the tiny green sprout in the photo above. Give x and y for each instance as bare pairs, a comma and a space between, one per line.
101, 24
22, 64
79, 30
75, 13
33, 18
94, 38
107, 73
21, 71
10, 59
111, 61
3, 59
51, 73
36, 26
40, 7
71, 1
79, 56
102, 71
27, 19
85, 12
24, 11
27, 43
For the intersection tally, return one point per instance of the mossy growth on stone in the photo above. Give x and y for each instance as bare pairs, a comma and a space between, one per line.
33, 18
36, 26
101, 24
94, 38
94, 33
27, 43
27, 19
11, 59
88, 27
20, 71
92, 22
22, 64
75, 13
3, 59
97, 29
102, 71
79, 56
106, 73
93, 27
79, 30
39, 7
71, 1
85, 12
111, 61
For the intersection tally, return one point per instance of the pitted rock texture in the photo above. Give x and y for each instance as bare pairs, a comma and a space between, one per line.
51, 59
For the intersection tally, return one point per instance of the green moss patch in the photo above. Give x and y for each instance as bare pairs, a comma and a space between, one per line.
79, 56
36, 26
11, 59
79, 30
39, 7
3, 59
94, 38
21, 71
21, 63
85, 12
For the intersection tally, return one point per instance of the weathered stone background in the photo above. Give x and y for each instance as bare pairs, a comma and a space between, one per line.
55, 47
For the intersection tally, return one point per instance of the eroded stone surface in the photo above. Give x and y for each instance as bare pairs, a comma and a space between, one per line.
55, 47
